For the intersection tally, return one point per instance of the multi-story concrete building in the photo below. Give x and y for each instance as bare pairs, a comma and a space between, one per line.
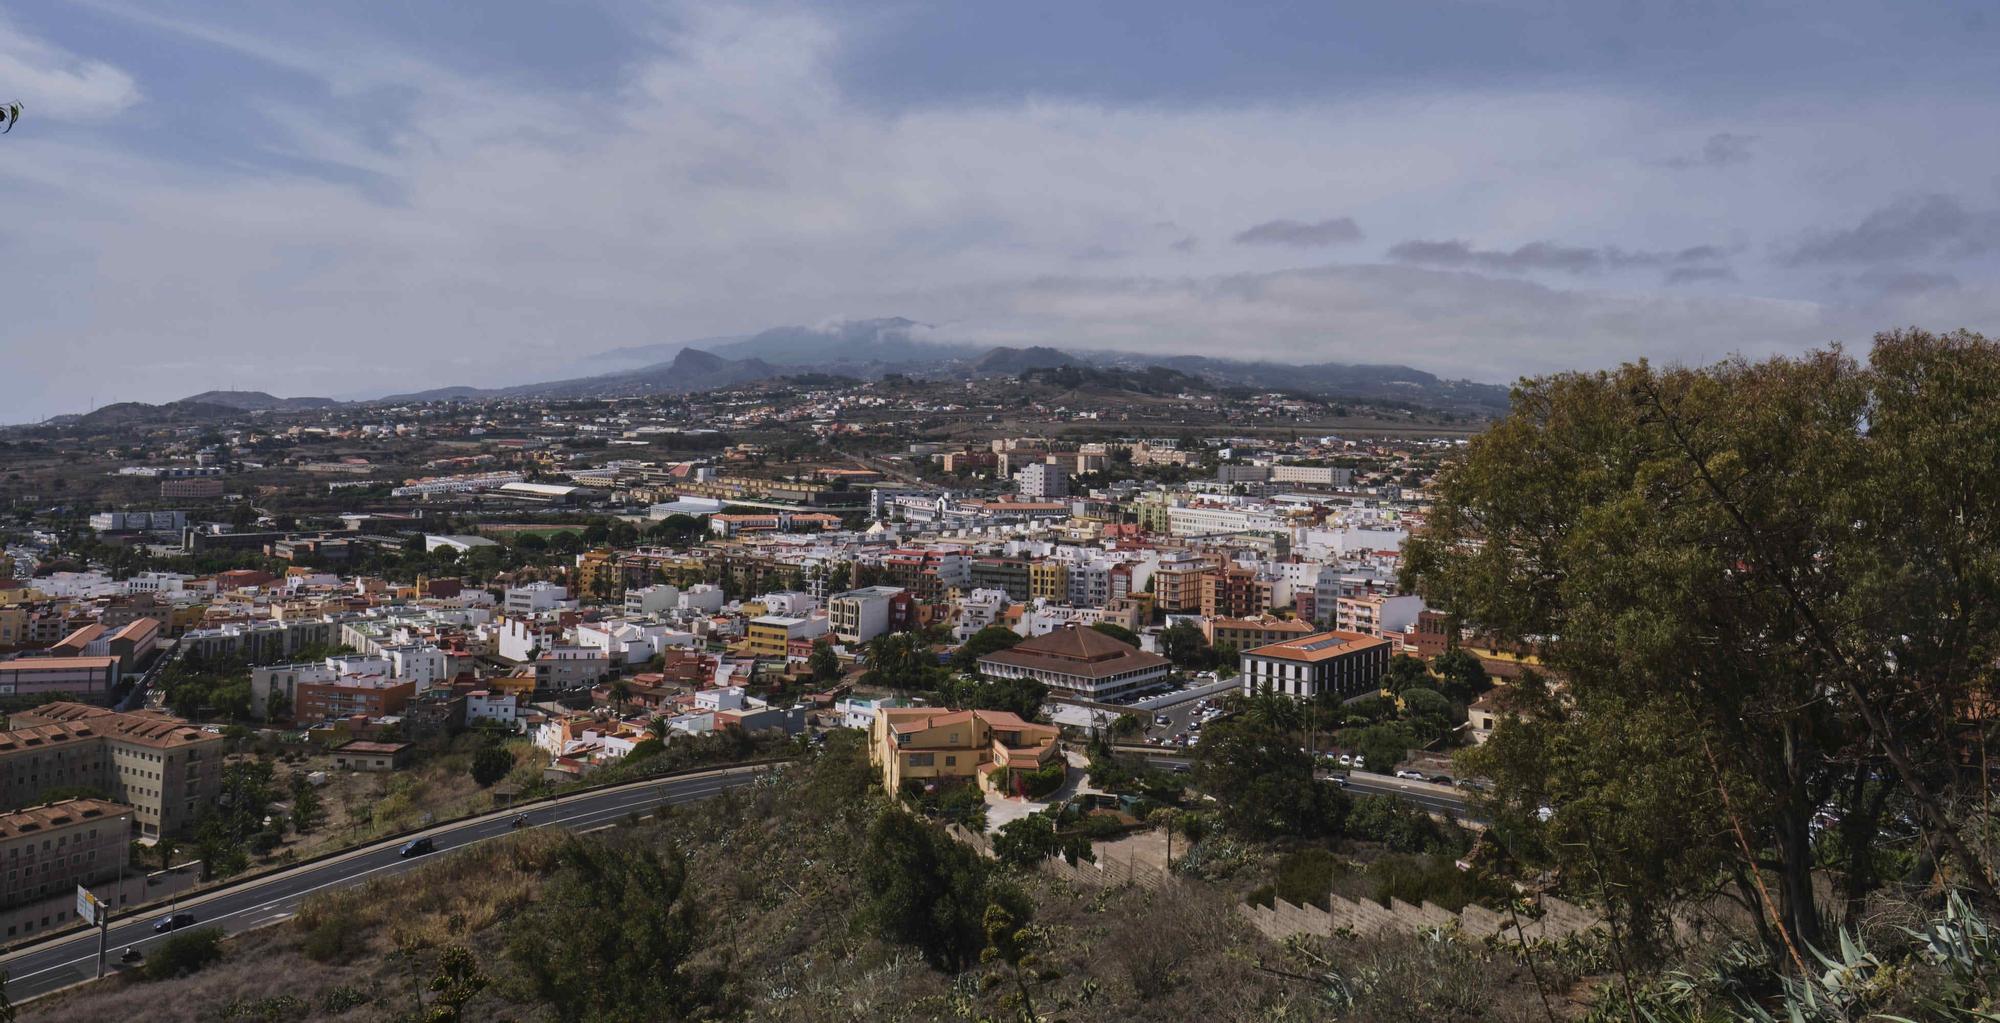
82, 677
347, 696
1245, 633
1341, 663
772, 635
1048, 580
568, 667
1177, 589
261, 642
1315, 475
1041, 481
166, 769
49, 850
534, 597
1235, 593
1008, 574
857, 616
1376, 614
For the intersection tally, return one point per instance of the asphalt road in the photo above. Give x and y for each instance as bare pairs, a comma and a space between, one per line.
40, 969
1434, 798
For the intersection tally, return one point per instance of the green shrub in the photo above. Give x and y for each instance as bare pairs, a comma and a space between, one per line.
1305, 876
333, 931
1041, 782
1435, 879
184, 953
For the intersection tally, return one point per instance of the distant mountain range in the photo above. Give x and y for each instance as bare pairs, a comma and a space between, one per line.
869, 349
257, 401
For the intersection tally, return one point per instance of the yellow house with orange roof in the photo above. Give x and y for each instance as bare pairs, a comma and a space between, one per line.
938, 743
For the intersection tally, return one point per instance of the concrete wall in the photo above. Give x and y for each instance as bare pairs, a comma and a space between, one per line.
1281, 920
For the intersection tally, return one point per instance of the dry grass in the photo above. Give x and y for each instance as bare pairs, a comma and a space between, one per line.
777, 869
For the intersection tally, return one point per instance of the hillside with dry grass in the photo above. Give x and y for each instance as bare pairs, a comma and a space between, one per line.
756, 905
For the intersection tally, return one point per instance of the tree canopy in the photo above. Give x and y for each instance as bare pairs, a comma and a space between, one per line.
1792, 567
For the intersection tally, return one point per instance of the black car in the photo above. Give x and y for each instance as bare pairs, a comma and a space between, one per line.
173, 923
417, 847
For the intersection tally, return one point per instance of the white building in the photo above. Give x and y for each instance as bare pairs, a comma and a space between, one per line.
1207, 520
137, 521
977, 610
858, 616
1040, 481
533, 598
482, 705
461, 544
1375, 615
703, 597
519, 639
421, 663
652, 600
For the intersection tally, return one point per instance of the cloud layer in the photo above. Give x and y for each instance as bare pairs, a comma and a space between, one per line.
1300, 234
344, 211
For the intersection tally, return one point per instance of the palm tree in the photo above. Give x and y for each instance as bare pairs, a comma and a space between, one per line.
621, 692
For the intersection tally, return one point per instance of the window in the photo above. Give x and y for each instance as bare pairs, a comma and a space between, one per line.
950, 761
921, 759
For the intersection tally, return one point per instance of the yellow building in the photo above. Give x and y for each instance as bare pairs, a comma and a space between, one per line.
1048, 580
597, 574
521, 686
772, 635
1249, 633
13, 626
988, 746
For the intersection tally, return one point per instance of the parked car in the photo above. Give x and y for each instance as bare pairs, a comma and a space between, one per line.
1440, 779
173, 923
1346, 760
417, 847
1162, 719
1409, 776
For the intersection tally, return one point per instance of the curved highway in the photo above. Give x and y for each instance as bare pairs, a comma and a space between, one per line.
39, 969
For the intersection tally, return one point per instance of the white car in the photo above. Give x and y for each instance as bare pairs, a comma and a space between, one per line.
1409, 776
1346, 760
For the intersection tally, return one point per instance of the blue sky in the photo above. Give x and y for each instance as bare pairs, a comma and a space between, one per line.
366, 197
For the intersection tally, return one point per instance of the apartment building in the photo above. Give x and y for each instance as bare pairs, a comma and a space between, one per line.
82, 677
1235, 593
1375, 614
261, 642
534, 597
1341, 663
857, 616
1042, 481
1246, 633
1177, 590
1048, 580
49, 850
371, 696
166, 769
568, 667
1008, 574
772, 635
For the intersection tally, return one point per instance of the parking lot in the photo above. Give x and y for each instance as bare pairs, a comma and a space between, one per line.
1180, 719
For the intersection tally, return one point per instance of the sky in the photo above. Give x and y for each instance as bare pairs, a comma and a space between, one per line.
378, 195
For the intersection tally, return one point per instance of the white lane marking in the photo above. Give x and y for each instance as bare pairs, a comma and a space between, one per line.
620, 808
